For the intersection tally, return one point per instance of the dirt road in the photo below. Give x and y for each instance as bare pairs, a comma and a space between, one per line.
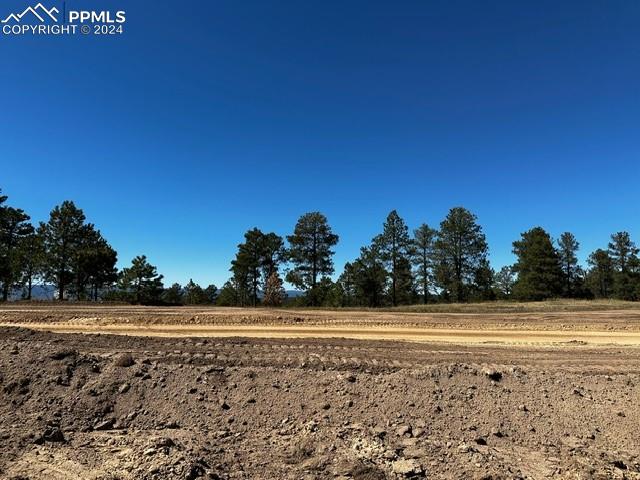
627, 320
620, 327
459, 336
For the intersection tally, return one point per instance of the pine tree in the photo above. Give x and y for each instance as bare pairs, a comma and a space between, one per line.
538, 267
460, 250
14, 228
31, 251
257, 258
503, 282
423, 258
395, 249
310, 253
211, 293
230, 295
174, 295
62, 236
483, 282
272, 254
370, 277
600, 276
347, 286
249, 261
93, 264
238, 287
141, 281
624, 257
194, 294
567, 248
274, 293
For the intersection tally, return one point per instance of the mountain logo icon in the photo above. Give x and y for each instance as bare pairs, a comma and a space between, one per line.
39, 11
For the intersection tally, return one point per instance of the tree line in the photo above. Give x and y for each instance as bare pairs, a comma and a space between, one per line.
71, 255
449, 263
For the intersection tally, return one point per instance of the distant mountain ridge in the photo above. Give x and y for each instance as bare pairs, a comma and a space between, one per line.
48, 292
38, 292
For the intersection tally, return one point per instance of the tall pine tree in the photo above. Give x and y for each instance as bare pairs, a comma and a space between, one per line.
62, 238
394, 246
423, 258
310, 252
567, 249
600, 276
460, 249
14, 228
538, 266
624, 256
370, 277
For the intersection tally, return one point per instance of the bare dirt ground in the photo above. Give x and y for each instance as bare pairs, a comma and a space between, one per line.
607, 317
525, 405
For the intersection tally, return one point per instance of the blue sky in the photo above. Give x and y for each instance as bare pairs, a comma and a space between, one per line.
206, 119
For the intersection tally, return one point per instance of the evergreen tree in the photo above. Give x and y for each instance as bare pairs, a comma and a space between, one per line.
347, 286
14, 228
194, 294
538, 266
230, 294
249, 261
423, 257
93, 264
601, 274
624, 257
211, 293
370, 277
274, 293
310, 253
240, 284
174, 295
394, 246
567, 248
272, 254
141, 282
101, 269
503, 282
257, 258
460, 250
483, 282
31, 252
62, 236
325, 293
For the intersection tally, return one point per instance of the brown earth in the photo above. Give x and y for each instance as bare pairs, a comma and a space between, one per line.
78, 406
602, 319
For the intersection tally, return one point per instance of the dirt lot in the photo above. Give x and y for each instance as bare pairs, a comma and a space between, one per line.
78, 406
603, 316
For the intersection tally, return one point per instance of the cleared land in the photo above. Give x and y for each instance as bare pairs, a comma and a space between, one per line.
484, 394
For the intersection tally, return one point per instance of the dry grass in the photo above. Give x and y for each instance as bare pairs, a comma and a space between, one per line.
503, 306
561, 305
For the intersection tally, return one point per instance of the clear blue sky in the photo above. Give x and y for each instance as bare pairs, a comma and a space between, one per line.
209, 118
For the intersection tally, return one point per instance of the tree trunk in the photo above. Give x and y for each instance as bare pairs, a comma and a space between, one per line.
424, 293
